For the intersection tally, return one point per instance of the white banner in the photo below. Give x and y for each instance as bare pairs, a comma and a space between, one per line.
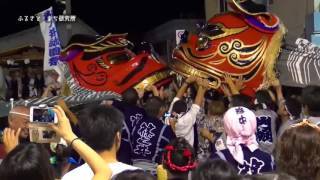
52, 44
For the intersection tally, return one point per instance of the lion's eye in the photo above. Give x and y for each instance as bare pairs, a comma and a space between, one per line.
212, 30
119, 58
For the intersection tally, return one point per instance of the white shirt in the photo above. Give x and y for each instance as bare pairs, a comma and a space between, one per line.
84, 172
185, 124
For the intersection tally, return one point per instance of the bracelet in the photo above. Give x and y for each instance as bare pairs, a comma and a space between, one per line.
77, 138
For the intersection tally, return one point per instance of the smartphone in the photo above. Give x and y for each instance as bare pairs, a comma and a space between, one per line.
42, 133
43, 115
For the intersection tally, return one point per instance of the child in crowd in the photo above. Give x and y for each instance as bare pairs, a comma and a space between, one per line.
178, 160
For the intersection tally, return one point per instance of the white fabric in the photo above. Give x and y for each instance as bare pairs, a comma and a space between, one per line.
185, 124
84, 172
32, 89
51, 42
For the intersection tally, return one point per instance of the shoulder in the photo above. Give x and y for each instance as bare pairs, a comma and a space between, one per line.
118, 167
81, 172
195, 107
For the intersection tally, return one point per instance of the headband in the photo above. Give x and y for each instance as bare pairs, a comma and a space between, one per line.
18, 113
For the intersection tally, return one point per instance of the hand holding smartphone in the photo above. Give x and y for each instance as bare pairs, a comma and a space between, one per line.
42, 114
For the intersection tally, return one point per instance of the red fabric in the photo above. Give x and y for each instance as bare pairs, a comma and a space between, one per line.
228, 50
103, 73
2, 152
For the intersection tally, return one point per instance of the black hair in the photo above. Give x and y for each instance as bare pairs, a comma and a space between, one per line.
61, 155
214, 169
27, 161
178, 157
130, 96
134, 175
263, 97
153, 106
294, 107
99, 125
311, 99
179, 106
241, 100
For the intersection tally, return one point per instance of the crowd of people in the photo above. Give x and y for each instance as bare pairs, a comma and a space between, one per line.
28, 83
177, 132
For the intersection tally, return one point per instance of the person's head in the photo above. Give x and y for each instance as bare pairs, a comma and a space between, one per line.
263, 100
26, 161
311, 100
179, 107
155, 107
216, 108
59, 159
298, 151
130, 96
292, 108
134, 175
241, 100
100, 127
240, 126
179, 158
214, 169
19, 117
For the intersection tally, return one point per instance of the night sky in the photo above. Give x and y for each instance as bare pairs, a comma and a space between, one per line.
117, 16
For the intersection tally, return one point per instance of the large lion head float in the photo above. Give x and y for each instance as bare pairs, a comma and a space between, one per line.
245, 42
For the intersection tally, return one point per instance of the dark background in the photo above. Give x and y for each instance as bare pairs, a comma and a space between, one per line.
116, 16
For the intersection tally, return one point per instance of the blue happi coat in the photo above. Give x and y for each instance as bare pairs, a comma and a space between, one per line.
256, 162
148, 138
133, 114
266, 130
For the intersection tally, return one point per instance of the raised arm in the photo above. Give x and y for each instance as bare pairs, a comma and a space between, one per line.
280, 99
10, 139
203, 87
96, 163
153, 89
234, 86
277, 87
47, 91
66, 109
184, 87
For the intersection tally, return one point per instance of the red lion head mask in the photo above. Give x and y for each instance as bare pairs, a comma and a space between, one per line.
235, 43
107, 64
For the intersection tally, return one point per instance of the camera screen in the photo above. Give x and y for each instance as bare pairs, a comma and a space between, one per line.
43, 115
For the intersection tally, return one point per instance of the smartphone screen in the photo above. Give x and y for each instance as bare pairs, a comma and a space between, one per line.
43, 115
